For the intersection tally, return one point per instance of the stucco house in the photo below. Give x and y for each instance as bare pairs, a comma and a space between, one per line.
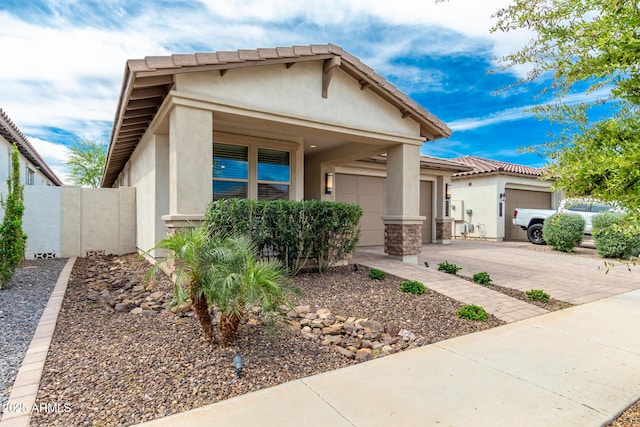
484, 198
33, 169
301, 122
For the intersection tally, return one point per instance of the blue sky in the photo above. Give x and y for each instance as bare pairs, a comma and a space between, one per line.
64, 60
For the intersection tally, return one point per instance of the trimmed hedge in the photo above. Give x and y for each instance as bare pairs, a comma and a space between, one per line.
563, 231
296, 231
612, 239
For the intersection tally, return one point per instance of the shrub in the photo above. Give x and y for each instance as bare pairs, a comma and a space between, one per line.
483, 278
538, 295
294, 231
612, 238
12, 239
413, 287
563, 231
448, 267
377, 274
473, 312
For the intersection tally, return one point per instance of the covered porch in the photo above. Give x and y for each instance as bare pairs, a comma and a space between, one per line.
265, 124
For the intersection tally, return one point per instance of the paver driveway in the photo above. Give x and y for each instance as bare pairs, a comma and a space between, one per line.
575, 278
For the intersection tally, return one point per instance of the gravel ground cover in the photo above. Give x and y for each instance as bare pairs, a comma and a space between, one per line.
551, 305
118, 368
21, 305
629, 418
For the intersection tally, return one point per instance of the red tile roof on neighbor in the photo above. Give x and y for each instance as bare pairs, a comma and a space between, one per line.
147, 82
11, 133
485, 166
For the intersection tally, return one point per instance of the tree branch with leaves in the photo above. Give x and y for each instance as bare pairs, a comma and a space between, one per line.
585, 46
86, 163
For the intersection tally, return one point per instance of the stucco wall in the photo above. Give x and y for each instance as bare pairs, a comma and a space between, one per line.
69, 221
149, 174
481, 195
297, 92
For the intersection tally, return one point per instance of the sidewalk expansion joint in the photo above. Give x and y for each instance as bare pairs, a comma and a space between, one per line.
325, 401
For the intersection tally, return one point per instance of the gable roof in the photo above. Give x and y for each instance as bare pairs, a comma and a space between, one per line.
11, 133
147, 82
487, 166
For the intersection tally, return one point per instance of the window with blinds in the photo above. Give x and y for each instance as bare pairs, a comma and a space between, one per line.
230, 171
274, 174
271, 179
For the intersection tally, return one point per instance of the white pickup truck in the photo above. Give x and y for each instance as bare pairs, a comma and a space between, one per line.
531, 220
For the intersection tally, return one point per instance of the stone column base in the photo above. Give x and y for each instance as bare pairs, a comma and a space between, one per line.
403, 238
444, 230
175, 223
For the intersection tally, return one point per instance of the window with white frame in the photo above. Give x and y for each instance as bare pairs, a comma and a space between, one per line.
31, 176
250, 172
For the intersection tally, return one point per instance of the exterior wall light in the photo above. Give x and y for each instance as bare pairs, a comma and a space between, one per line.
328, 183
447, 191
503, 197
237, 363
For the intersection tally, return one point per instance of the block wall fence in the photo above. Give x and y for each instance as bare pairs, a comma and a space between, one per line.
63, 222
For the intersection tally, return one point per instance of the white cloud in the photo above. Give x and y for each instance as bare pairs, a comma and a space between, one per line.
55, 155
519, 113
491, 119
445, 148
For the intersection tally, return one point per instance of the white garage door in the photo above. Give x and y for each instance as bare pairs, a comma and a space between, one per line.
370, 193
523, 199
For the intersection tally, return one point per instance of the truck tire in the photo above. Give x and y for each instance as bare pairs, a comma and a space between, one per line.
534, 234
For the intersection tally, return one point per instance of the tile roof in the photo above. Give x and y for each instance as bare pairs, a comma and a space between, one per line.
485, 166
11, 133
147, 82
429, 162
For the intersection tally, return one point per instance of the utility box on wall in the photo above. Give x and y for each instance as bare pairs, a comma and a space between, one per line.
457, 210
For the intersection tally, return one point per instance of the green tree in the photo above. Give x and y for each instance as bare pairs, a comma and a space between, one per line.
585, 45
86, 163
12, 239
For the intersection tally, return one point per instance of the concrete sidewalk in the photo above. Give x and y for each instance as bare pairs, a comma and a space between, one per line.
574, 367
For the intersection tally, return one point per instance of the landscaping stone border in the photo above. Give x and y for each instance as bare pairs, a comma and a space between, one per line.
25, 387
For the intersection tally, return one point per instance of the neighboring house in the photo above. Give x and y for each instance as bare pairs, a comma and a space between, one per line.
483, 199
33, 169
301, 122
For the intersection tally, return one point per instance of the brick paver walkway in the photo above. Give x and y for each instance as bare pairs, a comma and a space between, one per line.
500, 305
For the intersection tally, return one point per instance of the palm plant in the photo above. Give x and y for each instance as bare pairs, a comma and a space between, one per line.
186, 250
240, 280
224, 271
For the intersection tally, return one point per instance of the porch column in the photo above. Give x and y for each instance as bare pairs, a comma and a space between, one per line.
402, 222
444, 221
190, 162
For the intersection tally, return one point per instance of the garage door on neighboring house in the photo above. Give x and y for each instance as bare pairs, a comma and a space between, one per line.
370, 193
523, 199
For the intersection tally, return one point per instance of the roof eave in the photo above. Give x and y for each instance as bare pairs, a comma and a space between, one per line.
15, 136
